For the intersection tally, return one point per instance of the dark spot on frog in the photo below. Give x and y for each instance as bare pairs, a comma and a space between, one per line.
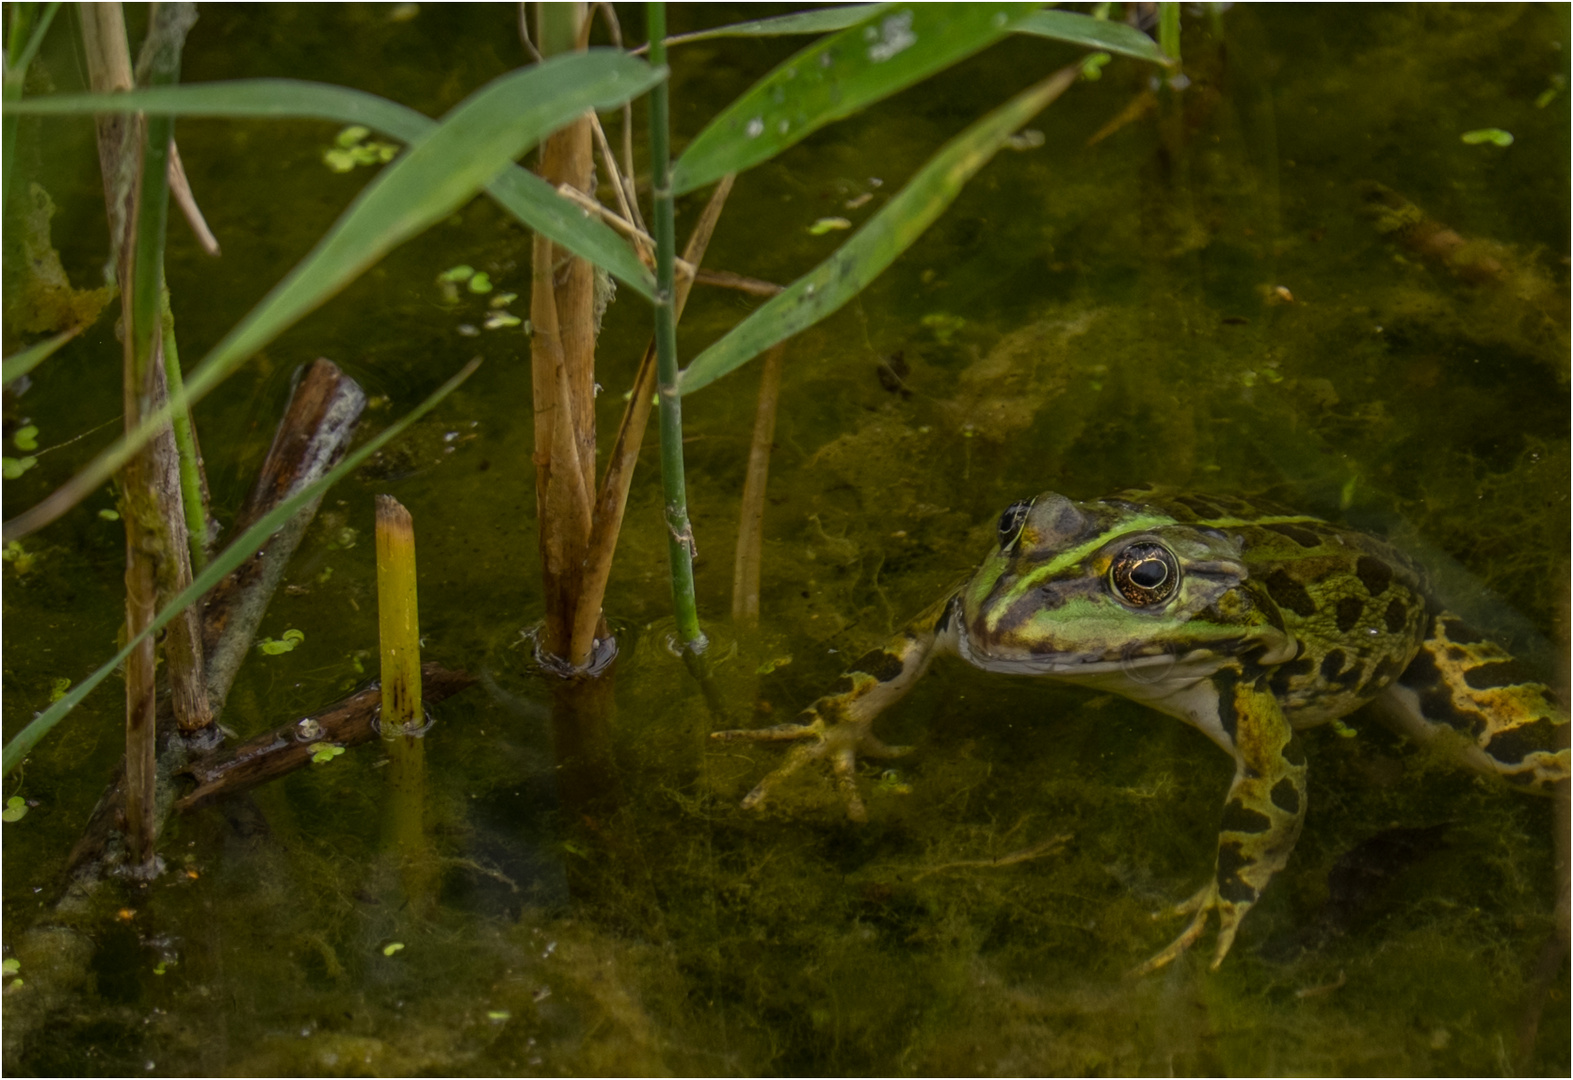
882, 665
1283, 673
1231, 860
1300, 535
1381, 675
1502, 673
844, 685
1228, 717
1436, 700
1289, 593
1199, 506
1511, 747
1286, 796
1332, 664
1239, 818
1396, 616
1293, 752
1374, 574
1348, 613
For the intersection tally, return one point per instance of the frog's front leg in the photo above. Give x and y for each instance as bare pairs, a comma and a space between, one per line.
1261, 820
839, 726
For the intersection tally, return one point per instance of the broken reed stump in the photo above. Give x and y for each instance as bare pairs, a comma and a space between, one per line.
313, 435
403, 719
276, 753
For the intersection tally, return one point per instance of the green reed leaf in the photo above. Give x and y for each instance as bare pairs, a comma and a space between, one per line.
1090, 33
890, 48
21, 363
875, 246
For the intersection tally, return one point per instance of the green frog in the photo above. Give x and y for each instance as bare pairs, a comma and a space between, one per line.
1247, 622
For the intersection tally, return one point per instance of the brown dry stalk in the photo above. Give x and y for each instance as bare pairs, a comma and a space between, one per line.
180, 191
629, 208
612, 496
725, 279
150, 519
751, 519
564, 325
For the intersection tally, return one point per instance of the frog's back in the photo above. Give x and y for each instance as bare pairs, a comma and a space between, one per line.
1369, 631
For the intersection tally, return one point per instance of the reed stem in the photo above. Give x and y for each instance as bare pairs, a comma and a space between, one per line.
679, 530
402, 718
191, 494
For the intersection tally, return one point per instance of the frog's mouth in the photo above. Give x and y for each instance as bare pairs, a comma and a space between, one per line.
1148, 663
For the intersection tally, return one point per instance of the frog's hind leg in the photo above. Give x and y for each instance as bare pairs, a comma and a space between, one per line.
1513, 727
1460, 682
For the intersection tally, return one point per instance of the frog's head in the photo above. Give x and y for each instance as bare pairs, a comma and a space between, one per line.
1103, 587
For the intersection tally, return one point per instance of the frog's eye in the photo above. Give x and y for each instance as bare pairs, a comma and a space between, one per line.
1011, 520
1145, 574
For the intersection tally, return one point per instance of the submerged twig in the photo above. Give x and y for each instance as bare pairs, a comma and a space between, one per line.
289, 747
1036, 851
725, 279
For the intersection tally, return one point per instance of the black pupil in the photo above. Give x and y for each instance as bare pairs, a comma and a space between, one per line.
1149, 573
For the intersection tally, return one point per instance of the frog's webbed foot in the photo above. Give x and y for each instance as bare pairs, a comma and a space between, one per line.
839, 742
1203, 903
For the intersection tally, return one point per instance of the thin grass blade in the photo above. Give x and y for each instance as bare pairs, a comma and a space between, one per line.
517, 190
891, 48
232, 556
875, 246
1090, 33
472, 144
822, 21
29, 358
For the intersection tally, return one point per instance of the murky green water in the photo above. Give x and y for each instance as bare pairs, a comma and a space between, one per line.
1198, 298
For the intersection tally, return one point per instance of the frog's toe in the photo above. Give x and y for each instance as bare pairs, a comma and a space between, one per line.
869, 745
800, 756
1198, 906
844, 761
778, 733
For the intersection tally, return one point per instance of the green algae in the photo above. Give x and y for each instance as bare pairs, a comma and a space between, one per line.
1084, 319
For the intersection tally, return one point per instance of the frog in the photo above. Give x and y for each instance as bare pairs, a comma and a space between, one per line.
1247, 621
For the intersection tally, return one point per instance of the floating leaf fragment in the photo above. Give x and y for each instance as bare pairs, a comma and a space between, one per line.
323, 752
498, 320
11, 468
828, 224
284, 644
26, 438
1494, 136
10, 967
392, 947
480, 283
15, 809
499, 1016
109, 515
58, 688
